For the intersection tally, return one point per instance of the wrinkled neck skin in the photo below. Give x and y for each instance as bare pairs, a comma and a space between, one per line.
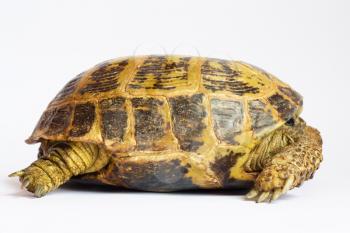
273, 143
47, 146
44, 148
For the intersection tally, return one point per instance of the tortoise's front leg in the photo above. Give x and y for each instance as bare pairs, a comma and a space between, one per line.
63, 161
289, 168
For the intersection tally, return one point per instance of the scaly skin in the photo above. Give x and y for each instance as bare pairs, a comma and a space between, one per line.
290, 166
63, 160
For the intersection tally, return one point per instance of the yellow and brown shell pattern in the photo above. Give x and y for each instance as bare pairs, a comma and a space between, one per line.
190, 119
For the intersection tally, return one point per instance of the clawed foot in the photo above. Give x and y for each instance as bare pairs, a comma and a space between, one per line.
35, 180
273, 182
268, 196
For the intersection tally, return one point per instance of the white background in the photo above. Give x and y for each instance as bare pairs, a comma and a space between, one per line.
43, 44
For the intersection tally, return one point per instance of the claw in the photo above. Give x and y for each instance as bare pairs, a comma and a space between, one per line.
288, 185
18, 173
263, 197
269, 199
277, 194
39, 192
252, 194
312, 176
25, 183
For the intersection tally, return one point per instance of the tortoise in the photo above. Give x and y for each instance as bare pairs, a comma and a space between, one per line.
169, 123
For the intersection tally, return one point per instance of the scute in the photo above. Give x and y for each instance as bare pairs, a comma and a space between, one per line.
261, 116
84, 116
188, 115
157, 176
173, 103
223, 76
68, 89
152, 125
105, 78
228, 119
161, 73
114, 118
55, 121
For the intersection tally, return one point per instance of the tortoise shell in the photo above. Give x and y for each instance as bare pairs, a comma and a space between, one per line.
168, 103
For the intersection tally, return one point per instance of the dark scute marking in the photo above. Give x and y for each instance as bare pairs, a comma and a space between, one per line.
134, 86
146, 102
45, 119
114, 118
222, 166
261, 118
56, 121
105, 78
83, 120
160, 176
264, 72
188, 114
228, 119
69, 88
224, 78
160, 69
295, 96
285, 108
149, 123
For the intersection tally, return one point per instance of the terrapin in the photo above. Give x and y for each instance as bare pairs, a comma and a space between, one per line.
168, 123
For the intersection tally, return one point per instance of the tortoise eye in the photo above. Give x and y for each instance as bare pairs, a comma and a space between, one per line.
291, 122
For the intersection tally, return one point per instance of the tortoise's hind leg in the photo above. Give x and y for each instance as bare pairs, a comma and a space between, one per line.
290, 167
63, 161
